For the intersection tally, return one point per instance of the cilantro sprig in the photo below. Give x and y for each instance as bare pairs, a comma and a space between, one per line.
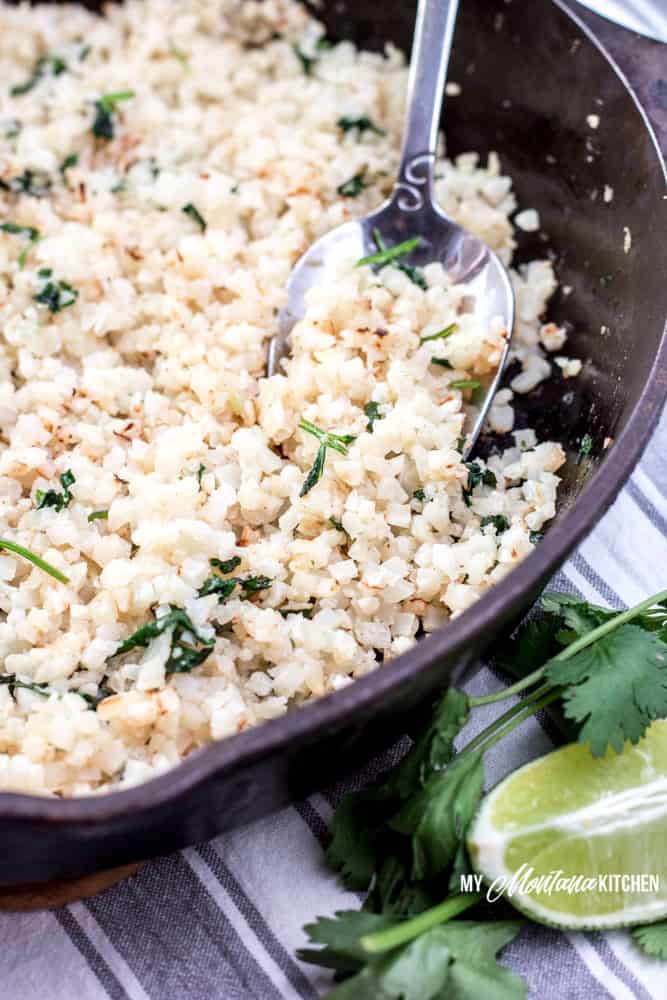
403, 839
327, 439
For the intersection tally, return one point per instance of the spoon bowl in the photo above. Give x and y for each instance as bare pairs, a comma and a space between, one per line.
412, 211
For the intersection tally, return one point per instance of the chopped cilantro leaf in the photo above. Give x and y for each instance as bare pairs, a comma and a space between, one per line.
585, 447
353, 187
441, 334
372, 412
442, 362
98, 515
31, 234
56, 295
44, 64
226, 565
69, 162
327, 439
225, 587
105, 106
188, 648
476, 476
31, 182
307, 62
194, 214
361, 125
52, 498
465, 383
20, 550
385, 255
499, 522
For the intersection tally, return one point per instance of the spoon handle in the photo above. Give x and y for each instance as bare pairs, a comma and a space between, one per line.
434, 30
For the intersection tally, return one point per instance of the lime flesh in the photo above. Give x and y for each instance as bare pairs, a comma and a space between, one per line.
599, 821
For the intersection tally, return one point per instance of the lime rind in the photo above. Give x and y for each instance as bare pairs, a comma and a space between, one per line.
538, 819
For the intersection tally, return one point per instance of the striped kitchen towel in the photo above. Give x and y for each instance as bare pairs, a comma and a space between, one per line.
222, 921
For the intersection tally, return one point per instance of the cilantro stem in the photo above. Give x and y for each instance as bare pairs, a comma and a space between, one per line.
409, 929
35, 560
581, 643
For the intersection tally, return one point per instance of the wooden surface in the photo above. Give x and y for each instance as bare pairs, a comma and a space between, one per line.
50, 895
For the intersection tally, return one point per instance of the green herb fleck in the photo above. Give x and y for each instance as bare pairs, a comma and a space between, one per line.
52, 498
98, 515
56, 295
465, 383
85, 52
188, 649
224, 588
12, 683
105, 107
194, 214
36, 560
441, 334
69, 162
338, 442
12, 128
226, 565
385, 255
499, 522
306, 612
338, 525
307, 62
361, 125
31, 182
420, 495
442, 362
44, 64
476, 476
31, 234
535, 537
372, 412
585, 447
353, 187
200, 472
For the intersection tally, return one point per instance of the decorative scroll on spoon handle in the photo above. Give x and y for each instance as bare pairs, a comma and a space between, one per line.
428, 70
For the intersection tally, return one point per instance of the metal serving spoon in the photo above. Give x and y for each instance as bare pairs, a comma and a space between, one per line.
411, 210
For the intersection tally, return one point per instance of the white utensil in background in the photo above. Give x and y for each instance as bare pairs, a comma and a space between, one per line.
649, 17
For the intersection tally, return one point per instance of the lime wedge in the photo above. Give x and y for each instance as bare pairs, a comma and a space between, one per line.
577, 841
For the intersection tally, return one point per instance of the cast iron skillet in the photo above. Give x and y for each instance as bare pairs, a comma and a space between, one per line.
531, 74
